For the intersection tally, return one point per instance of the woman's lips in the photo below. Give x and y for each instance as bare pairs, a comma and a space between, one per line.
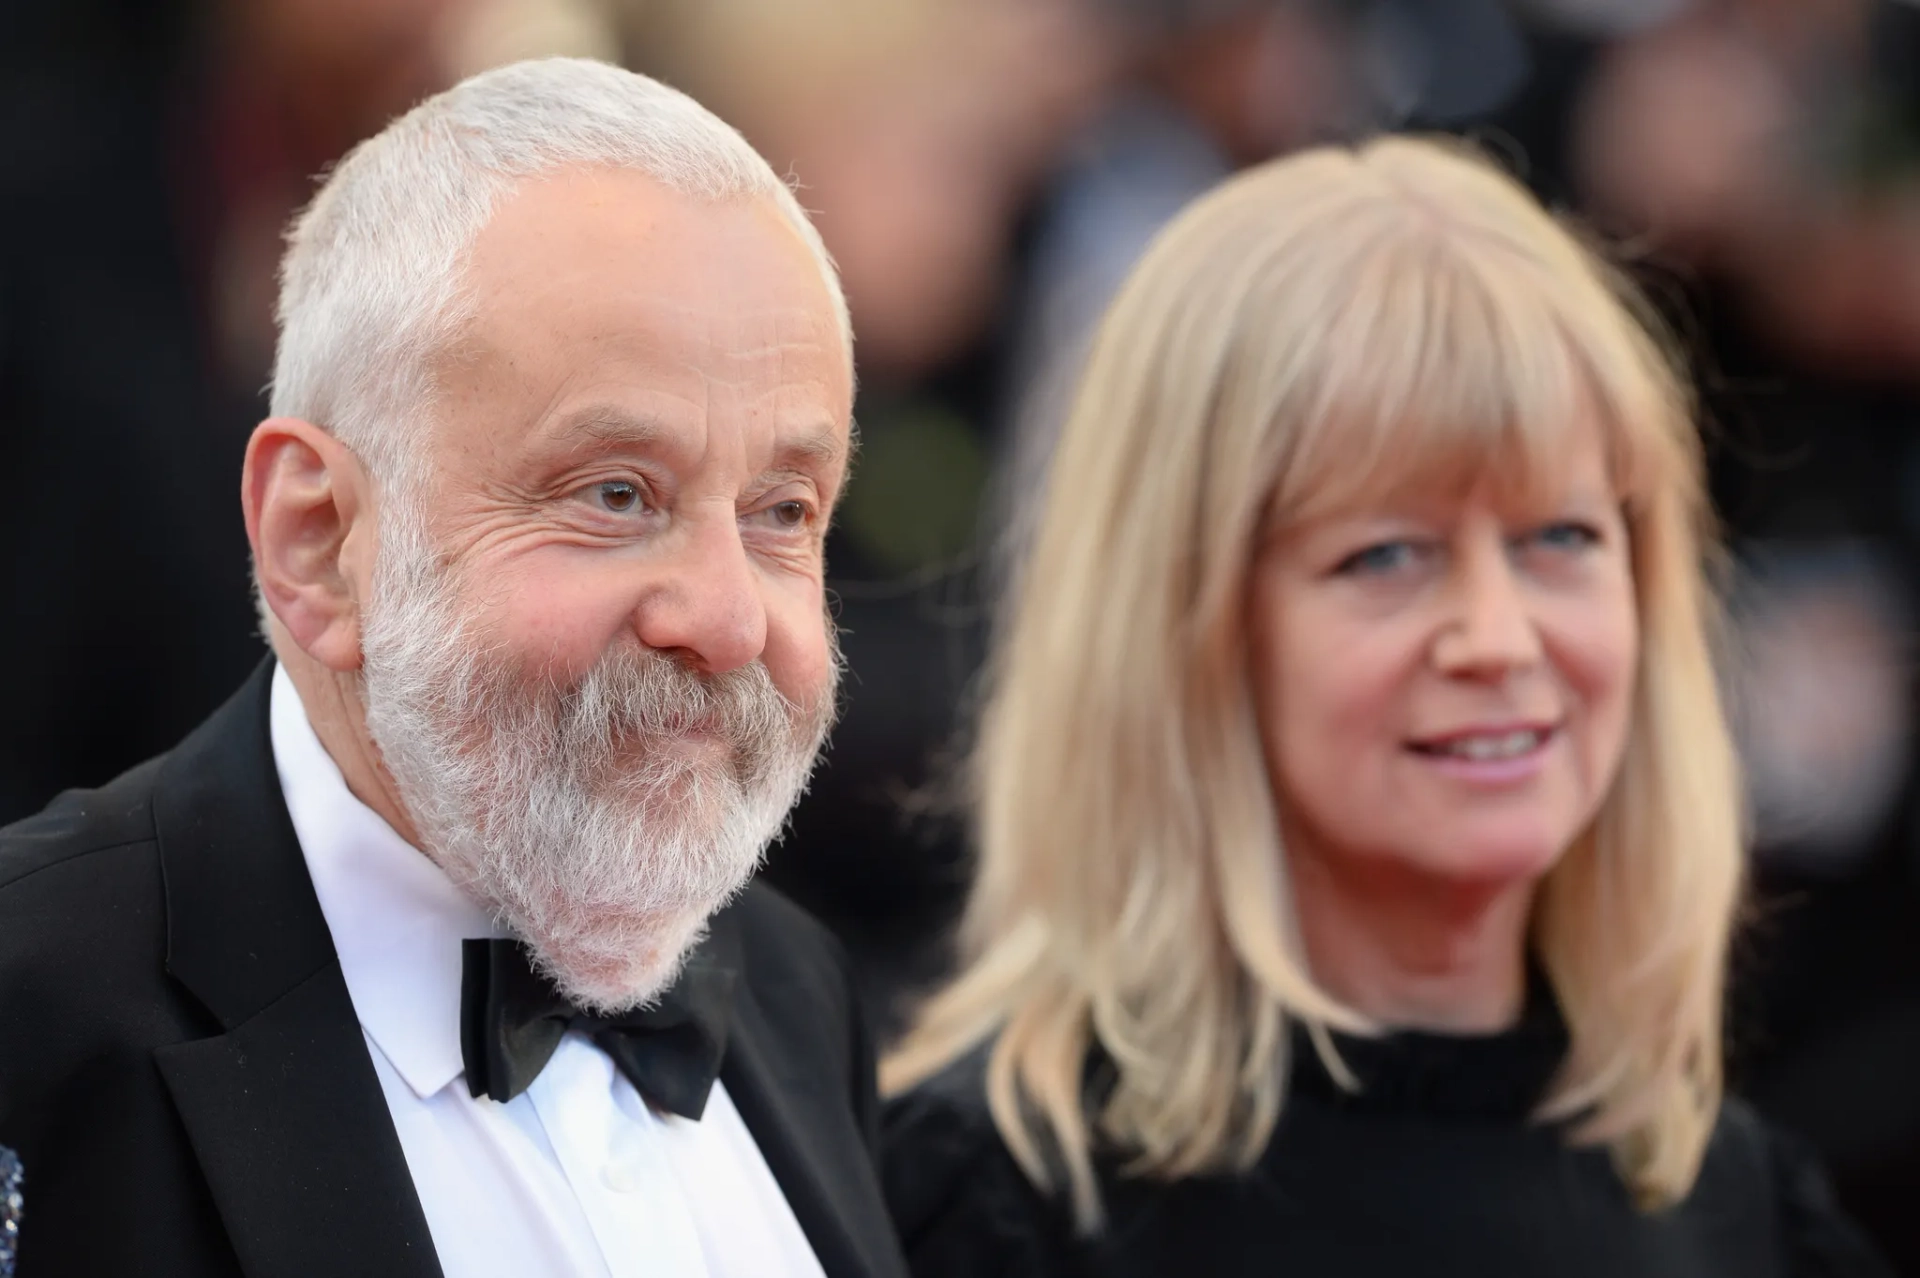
1495, 754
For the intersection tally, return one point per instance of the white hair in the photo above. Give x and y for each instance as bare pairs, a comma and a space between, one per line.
372, 285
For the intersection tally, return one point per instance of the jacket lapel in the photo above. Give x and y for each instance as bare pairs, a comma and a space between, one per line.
292, 1132
811, 1146
283, 1108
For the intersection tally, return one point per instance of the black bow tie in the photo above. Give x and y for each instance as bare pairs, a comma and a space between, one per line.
512, 1019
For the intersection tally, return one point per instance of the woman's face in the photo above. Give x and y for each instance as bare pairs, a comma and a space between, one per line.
1443, 681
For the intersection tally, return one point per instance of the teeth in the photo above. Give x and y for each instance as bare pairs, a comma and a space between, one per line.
1503, 745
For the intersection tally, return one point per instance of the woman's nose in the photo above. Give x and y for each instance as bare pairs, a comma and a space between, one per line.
1489, 630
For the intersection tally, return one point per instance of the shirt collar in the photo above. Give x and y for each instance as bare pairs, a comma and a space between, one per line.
397, 919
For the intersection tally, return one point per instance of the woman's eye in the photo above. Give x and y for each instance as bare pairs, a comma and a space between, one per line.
618, 496
1566, 537
1388, 556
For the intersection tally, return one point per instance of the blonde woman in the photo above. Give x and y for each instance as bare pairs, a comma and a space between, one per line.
1359, 832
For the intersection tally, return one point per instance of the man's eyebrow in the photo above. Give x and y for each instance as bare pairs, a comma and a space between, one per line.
817, 447
607, 424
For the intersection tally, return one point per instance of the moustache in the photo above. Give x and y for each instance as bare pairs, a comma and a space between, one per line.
637, 698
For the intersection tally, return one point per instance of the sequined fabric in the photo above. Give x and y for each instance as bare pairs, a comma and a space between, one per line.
10, 1208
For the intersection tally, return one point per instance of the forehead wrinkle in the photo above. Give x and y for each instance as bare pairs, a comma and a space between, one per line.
793, 367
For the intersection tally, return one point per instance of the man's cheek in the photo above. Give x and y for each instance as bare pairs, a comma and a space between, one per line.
799, 661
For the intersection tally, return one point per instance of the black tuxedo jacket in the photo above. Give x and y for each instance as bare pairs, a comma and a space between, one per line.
187, 1085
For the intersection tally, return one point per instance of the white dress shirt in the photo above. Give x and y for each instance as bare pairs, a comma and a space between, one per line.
575, 1176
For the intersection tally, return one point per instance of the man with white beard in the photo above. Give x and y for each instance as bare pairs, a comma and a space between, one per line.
434, 951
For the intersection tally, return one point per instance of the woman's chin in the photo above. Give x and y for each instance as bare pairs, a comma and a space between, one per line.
1493, 859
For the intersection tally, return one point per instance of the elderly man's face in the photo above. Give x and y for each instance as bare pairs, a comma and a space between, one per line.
596, 658
644, 437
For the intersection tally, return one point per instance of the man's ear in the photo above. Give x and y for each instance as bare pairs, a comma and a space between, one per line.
309, 511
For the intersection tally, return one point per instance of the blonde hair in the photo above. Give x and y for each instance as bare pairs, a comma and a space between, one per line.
1311, 331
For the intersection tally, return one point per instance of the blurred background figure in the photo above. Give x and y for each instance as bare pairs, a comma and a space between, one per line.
153, 153
985, 170
1771, 152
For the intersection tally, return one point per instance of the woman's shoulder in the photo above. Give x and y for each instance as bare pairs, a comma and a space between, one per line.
1753, 1160
960, 1201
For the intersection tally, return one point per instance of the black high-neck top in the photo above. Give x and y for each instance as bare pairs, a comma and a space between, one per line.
1434, 1167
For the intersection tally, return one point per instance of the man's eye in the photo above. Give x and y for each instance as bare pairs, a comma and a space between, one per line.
785, 515
618, 496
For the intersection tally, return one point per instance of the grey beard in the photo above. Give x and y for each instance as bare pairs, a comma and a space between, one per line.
577, 811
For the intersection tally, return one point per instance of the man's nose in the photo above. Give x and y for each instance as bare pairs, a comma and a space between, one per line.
708, 611
1489, 629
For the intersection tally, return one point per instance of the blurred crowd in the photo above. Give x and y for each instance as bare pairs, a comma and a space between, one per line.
985, 171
